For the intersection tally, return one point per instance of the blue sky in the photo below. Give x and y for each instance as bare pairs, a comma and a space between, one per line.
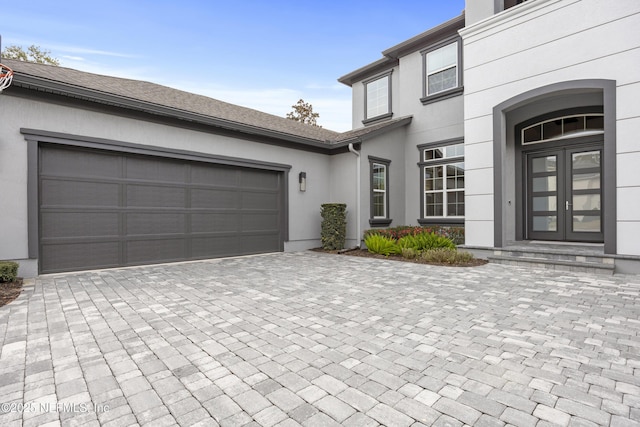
260, 54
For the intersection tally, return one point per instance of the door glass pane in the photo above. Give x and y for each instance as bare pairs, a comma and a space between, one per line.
586, 202
586, 181
544, 164
547, 203
586, 223
546, 183
545, 223
588, 159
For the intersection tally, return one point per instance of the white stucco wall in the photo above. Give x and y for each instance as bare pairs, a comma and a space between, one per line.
17, 113
540, 43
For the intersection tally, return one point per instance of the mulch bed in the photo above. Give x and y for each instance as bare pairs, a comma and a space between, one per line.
365, 253
10, 291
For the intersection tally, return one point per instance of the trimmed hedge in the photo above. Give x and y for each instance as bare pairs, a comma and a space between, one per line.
334, 225
8, 271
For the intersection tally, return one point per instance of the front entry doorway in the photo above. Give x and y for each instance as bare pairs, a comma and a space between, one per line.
564, 193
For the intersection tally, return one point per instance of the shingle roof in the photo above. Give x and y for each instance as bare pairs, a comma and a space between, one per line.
151, 97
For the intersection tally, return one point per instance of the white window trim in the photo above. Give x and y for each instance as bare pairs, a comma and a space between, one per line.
427, 73
444, 191
375, 165
388, 112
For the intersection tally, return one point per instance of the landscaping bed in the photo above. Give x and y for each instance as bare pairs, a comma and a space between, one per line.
10, 291
434, 245
366, 254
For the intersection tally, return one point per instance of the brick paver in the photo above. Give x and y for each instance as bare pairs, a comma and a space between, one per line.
314, 339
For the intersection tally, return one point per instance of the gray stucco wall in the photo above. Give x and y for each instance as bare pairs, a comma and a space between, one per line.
17, 113
437, 121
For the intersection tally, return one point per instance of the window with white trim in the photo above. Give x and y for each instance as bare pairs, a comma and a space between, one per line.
563, 127
378, 97
443, 181
441, 67
379, 170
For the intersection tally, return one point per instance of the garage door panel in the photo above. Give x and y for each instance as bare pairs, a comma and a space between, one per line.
156, 170
76, 163
79, 256
259, 179
155, 250
66, 224
215, 198
259, 200
215, 222
142, 209
155, 196
258, 243
215, 246
260, 221
155, 223
79, 193
220, 176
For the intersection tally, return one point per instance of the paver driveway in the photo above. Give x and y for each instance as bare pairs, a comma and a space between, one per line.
315, 339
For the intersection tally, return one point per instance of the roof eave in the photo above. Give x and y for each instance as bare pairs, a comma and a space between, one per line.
33, 82
404, 121
430, 36
378, 66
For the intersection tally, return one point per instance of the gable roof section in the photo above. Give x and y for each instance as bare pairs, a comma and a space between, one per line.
165, 101
161, 100
391, 56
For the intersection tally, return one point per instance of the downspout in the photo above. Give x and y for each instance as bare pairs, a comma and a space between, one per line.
357, 153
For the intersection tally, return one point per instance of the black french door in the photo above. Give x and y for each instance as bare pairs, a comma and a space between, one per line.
564, 194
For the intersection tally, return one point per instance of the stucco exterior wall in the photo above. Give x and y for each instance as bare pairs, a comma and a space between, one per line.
17, 113
540, 43
438, 121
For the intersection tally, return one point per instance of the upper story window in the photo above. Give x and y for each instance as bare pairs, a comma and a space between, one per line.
378, 97
442, 71
563, 127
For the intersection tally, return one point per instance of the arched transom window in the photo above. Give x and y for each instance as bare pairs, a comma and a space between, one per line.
563, 127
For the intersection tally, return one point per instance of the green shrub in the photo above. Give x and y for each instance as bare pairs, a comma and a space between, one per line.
381, 245
456, 234
447, 256
334, 225
8, 271
408, 242
410, 253
426, 241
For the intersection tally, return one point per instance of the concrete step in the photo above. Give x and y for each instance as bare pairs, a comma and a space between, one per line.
549, 263
587, 259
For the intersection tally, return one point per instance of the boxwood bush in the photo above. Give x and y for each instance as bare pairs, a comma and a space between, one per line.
334, 225
8, 271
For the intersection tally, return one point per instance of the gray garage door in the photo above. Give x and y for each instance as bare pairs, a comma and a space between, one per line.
104, 209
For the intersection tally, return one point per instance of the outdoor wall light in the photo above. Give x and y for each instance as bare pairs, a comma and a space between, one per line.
302, 179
